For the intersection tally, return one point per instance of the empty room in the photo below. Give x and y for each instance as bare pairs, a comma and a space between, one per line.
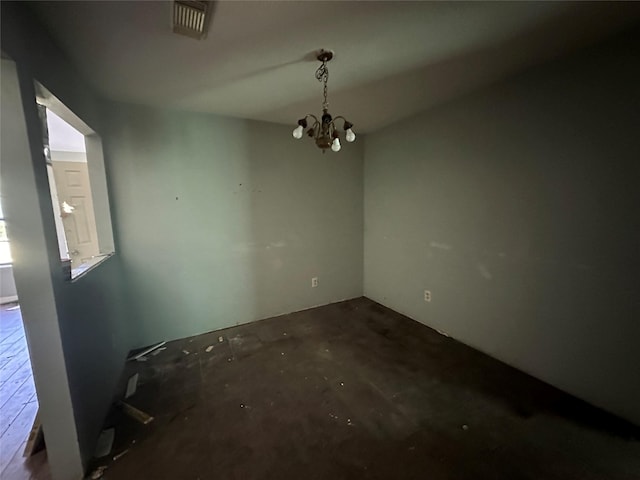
325, 240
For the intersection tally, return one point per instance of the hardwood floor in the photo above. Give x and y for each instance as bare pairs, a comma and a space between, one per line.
18, 401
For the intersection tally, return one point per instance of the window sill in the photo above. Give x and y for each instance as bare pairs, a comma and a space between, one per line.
81, 270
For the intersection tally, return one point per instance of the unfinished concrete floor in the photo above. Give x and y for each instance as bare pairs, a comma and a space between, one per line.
354, 390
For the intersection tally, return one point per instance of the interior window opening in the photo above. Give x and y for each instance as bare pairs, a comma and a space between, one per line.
77, 184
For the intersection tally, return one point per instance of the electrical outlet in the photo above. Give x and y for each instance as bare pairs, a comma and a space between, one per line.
427, 295
314, 282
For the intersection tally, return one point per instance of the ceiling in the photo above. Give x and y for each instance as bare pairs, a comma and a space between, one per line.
392, 59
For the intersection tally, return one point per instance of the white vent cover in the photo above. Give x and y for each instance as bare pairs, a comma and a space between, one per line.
190, 18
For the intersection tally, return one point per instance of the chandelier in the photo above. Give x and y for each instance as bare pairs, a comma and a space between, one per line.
324, 131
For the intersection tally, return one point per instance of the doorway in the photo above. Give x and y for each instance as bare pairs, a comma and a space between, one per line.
18, 399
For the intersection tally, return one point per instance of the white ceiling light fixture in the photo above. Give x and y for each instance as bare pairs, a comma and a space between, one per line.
324, 131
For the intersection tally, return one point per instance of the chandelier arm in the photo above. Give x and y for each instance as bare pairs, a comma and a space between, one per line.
315, 119
314, 128
346, 122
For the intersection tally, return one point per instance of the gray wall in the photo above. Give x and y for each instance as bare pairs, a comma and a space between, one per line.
517, 207
78, 333
225, 221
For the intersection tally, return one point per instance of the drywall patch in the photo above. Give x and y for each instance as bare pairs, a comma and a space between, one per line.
440, 246
484, 271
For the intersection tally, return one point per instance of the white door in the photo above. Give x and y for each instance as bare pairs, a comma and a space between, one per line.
76, 207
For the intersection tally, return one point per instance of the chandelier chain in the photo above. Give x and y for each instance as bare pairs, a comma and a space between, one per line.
322, 75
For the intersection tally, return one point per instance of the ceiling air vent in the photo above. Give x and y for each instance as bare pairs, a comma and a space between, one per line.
190, 18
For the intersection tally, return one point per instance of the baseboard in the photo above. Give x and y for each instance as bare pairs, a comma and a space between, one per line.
9, 299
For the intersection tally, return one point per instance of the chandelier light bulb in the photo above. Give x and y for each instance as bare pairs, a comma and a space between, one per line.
335, 146
349, 135
297, 132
